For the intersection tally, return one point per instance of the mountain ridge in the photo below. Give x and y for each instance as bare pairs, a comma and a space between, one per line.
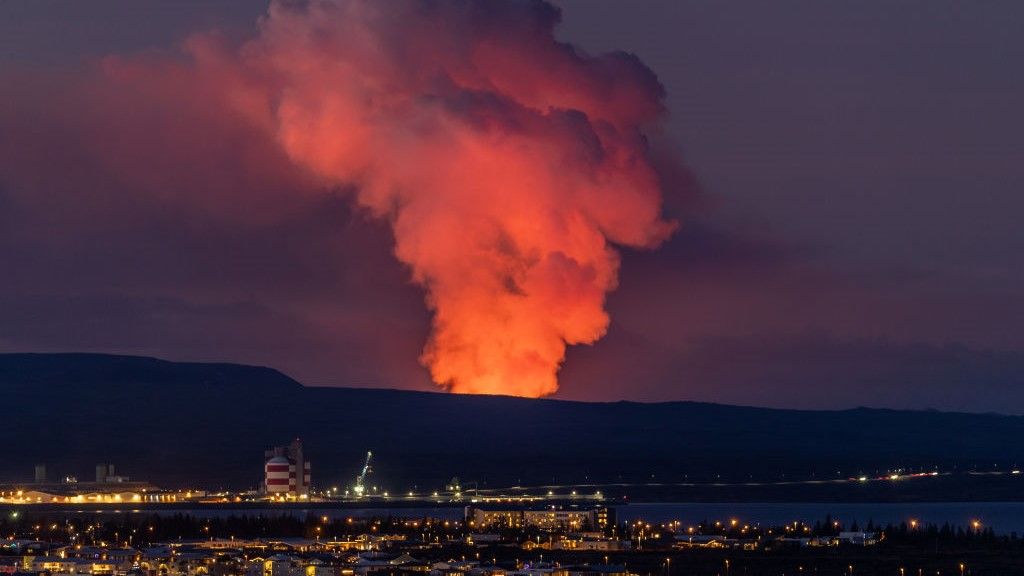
196, 424
286, 379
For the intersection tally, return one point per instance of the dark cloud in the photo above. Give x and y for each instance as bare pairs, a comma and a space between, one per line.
811, 370
145, 225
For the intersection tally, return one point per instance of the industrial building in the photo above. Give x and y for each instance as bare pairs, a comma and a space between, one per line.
108, 488
286, 471
105, 475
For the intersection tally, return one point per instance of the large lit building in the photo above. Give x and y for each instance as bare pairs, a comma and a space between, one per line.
549, 518
286, 471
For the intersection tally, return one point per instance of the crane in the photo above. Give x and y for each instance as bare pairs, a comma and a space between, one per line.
360, 487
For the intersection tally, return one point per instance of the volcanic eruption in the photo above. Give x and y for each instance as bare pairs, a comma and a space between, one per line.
509, 165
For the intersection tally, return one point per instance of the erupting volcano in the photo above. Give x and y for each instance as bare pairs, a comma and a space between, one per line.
508, 164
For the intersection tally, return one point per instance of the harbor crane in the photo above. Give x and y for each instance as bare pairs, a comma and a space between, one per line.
360, 486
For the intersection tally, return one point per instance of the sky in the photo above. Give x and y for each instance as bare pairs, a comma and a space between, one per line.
846, 180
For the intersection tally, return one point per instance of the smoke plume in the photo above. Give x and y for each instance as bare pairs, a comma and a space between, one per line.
508, 164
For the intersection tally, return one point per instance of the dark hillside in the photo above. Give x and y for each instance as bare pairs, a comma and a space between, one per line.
179, 424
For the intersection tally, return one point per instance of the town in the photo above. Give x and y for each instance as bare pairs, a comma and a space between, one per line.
488, 541
287, 526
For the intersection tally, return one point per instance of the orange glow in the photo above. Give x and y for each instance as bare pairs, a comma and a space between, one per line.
508, 165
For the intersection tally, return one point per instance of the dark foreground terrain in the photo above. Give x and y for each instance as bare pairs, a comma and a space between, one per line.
183, 425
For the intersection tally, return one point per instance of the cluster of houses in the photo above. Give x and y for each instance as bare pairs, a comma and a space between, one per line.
277, 557
683, 541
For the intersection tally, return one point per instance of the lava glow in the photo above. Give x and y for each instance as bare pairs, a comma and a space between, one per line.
508, 164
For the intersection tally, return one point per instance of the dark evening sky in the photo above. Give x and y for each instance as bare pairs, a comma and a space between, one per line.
849, 209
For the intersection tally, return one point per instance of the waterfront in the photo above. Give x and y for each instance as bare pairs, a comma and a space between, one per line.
491, 541
1002, 517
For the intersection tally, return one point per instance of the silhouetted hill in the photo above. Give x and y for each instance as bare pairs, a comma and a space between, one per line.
180, 424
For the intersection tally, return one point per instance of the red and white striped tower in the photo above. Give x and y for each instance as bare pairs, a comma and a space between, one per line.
278, 475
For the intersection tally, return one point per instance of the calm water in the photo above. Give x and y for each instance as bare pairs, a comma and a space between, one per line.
1003, 517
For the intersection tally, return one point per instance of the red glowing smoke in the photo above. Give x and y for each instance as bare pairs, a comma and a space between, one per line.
508, 164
